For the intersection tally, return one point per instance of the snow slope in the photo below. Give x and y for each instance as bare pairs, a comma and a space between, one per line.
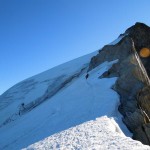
117, 40
34, 88
56, 100
100, 134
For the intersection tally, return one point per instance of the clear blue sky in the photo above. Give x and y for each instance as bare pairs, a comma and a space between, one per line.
36, 35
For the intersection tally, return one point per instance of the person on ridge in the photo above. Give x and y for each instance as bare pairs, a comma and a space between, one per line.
87, 75
22, 107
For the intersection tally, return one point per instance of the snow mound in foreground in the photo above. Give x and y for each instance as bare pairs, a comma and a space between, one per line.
100, 134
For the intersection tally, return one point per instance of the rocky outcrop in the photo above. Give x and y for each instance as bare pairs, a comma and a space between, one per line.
133, 83
140, 33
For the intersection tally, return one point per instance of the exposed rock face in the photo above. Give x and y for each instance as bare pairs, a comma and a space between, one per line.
133, 83
140, 33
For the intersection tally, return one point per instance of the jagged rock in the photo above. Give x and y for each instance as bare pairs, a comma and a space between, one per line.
112, 52
140, 33
140, 135
133, 82
134, 120
144, 99
147, 129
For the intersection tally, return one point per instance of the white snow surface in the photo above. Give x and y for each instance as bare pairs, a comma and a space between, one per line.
68, 100
35, 87
117, 40
100, 134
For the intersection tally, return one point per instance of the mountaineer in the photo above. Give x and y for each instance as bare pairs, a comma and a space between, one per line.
87, 76
21, 108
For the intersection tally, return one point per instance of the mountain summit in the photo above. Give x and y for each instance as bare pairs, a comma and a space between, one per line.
65, 100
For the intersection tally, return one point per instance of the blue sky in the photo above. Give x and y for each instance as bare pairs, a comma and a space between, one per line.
36, 35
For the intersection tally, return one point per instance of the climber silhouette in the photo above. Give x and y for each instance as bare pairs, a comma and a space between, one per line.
87, 75
22, 107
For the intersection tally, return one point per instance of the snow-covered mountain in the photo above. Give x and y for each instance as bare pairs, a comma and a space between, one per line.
61, 98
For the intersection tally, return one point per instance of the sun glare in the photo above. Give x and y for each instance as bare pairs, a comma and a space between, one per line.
145, 52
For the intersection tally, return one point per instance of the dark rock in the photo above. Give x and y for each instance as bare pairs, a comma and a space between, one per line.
140, 33
147, 130
140, 134
134, 120
144, 99
112, 52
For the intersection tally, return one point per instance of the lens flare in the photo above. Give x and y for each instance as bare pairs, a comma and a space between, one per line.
145, 52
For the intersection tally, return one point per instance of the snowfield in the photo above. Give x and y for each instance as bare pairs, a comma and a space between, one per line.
36, 87
63, 99
100, 134
117, 40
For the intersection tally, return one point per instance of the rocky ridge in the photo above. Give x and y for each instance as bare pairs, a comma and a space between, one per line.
133, 84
